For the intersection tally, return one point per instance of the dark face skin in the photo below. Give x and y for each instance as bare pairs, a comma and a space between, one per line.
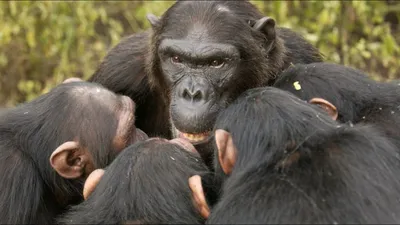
198, 75
203, 65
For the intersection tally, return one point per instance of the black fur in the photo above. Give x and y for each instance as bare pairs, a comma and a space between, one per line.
31, 191
133, 67
358, 98
146, 183
295, 165
123, 71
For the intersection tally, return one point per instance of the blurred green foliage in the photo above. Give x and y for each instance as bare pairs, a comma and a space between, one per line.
44, 42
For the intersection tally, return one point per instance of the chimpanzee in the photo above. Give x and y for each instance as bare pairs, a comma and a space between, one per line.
347, 94
287, 162
146, 183
72, 79
197, 58
50, 145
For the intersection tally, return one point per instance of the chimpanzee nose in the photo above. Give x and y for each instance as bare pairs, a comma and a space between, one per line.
194, 95
193, 90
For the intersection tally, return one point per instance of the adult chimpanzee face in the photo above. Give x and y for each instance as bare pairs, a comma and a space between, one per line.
197, 71
204, 65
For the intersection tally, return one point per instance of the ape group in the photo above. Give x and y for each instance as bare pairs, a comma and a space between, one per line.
215, 114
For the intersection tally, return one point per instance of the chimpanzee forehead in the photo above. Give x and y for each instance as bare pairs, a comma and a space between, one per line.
201, 21
95, 97
198, 31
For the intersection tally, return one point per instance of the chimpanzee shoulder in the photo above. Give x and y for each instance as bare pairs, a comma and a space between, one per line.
121, 63
123, 72
298, 49
357, 97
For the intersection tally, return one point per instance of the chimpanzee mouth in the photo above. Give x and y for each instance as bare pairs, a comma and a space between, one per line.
194, 138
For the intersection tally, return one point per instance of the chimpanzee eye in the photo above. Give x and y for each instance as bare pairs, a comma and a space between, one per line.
176, 59
217, 63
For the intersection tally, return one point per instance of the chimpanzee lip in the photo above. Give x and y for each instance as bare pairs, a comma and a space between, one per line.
194, 138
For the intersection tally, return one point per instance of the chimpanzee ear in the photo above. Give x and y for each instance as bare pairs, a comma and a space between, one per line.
153, 19
91, 182
69, 160
266, 25
327, 106
72, 79
226, 150
198, 196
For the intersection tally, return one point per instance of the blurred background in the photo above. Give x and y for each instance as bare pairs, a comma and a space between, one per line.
44, 42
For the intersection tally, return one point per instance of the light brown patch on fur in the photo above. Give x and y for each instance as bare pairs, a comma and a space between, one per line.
289, 160
334, 149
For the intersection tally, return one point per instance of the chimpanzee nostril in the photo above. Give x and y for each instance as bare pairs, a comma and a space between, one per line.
186, 95
194, 96
198, 96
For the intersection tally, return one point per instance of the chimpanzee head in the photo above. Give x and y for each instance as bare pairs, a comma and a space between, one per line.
347, 94
268, 124
262, 128
289, 162
70, 131
95, 120
146, 183
204, 54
